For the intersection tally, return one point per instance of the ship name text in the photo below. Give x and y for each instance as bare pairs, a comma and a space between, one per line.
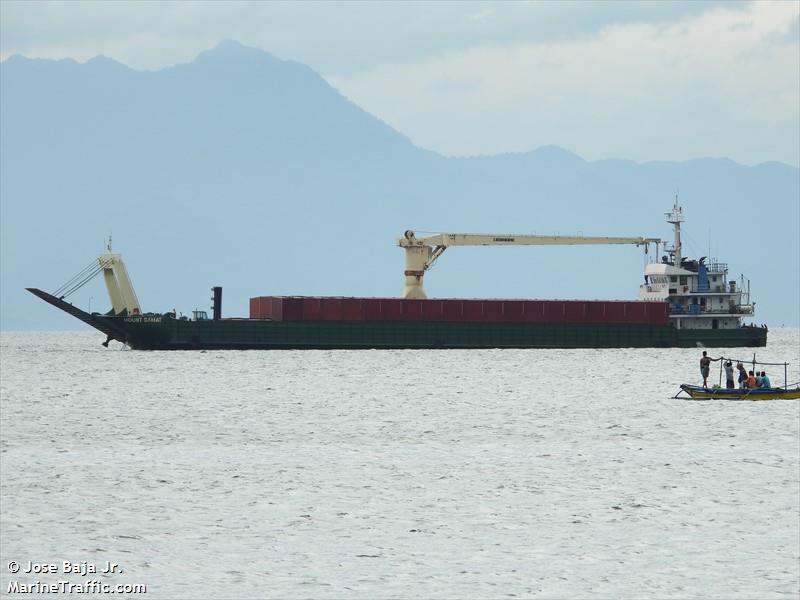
148, 319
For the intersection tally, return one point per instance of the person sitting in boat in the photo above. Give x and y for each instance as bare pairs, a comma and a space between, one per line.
729, 376
705, 365
751, 381
742, 376
758, 379
765, 382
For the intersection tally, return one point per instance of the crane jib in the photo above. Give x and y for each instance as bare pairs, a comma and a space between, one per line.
421, 253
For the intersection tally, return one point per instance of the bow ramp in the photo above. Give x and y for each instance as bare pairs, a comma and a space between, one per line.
98, 323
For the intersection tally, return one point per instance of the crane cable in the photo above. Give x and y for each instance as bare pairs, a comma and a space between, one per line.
81, 273
83, 277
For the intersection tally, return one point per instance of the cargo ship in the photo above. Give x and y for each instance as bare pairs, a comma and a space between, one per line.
682, 303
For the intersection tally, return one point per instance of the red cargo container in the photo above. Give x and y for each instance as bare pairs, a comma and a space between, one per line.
299, 308
575, 312
595, 312
352, 309
331, 309
255, 312
277, 308
553, 311
634, 313
261, 308
514, 311
432, 310
372, 309
615, 312
292, 308
411, 310
392, 309
492, 311
534, 311
312, 309
472, 310
661, 316
452, 310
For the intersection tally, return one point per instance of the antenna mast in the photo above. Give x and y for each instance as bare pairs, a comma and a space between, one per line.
675, 218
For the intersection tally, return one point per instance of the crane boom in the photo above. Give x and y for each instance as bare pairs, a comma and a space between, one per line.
477, 239
421, 253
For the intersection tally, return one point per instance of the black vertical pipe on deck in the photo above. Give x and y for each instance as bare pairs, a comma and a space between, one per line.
217, 299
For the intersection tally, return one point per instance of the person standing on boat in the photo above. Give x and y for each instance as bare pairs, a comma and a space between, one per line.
765, 382
705, 366
742, 376
729, 376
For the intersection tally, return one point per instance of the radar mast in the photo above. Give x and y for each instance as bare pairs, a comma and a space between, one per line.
675, 218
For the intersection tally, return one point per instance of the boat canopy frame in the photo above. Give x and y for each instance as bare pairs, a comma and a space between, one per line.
728, 393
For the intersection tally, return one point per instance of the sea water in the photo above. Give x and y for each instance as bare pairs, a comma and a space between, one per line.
393, 474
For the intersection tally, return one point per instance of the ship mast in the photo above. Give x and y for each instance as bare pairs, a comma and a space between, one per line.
675, 218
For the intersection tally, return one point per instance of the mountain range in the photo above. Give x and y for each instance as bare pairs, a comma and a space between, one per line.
247, 171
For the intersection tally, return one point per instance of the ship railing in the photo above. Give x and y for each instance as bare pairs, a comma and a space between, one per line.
711, 288
696, 309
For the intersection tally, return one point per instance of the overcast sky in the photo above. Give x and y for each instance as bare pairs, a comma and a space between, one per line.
642, 81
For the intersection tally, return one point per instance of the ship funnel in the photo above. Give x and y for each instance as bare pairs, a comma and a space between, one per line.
216, 307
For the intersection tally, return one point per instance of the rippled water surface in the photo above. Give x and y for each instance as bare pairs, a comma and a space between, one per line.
402, 474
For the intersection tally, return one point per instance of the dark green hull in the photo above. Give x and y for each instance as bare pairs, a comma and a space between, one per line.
246, 334
743, 337
162, 332
171, 334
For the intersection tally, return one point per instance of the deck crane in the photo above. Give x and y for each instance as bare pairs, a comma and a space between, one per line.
421, 253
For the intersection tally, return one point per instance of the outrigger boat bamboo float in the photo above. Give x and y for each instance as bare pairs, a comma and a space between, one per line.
786, 392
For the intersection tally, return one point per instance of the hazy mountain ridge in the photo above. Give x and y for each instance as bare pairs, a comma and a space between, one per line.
247, 171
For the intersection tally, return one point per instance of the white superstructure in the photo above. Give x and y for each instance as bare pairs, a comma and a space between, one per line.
699, 293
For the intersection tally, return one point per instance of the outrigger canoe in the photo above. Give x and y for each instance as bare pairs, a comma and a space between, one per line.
701, 393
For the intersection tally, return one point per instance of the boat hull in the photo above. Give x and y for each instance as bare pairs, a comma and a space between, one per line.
164, 332
740, 337
701, 393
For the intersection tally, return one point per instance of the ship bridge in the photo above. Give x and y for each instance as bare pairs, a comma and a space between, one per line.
699, 294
